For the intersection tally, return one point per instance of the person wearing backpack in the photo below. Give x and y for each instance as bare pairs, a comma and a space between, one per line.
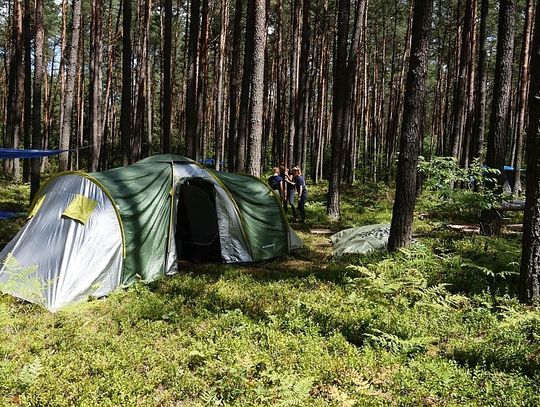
276, 182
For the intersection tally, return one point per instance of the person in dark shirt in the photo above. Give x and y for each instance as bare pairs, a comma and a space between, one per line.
276, 182
290, 189
300, 184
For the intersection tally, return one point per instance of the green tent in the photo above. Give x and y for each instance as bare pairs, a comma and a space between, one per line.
88, 234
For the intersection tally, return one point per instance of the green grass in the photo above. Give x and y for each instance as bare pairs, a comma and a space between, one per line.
436, 324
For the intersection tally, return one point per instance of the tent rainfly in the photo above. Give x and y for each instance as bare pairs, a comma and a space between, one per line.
88, 234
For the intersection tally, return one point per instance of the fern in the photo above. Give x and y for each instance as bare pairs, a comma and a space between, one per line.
23, 280
29, 374
395, 344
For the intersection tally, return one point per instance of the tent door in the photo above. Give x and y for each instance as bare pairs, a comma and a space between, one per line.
197, 233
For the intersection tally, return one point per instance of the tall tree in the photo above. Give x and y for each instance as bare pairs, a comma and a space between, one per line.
345, 61
296, 51
27, 118
496, 143
71, 74
243, 120
191, 80
530, 256
140, 124
480, 85
202, 84
459, 107
303, 89
234, 84
14, 113
95, 82
126, 109
166, 87
523, 94
257, 87
35, 165
403, 211
220, 113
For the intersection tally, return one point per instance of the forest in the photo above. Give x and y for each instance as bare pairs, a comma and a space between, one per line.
420, 114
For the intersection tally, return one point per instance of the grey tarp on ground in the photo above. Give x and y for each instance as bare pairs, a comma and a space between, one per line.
361, 239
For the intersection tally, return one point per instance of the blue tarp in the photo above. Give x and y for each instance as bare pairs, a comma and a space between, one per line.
9, 215
20, 153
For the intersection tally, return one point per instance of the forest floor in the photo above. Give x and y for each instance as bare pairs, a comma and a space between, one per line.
436, 324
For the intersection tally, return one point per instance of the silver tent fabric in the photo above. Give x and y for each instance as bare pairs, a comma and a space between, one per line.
361, 239
53, 260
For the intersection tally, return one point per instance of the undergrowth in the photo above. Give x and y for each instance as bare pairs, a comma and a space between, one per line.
435, 324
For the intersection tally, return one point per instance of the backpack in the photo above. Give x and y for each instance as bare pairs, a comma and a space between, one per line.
274, 182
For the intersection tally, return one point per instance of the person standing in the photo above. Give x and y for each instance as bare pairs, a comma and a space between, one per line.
276, 182
290, 187
300, 185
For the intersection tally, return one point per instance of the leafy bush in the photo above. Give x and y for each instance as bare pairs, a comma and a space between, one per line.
459, 192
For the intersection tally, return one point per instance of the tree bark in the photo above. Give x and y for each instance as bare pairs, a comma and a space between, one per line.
27, 119
530, 257
191, 84
496, 143
126, 108
220, 116
141, 126
480, 85
35, 165
166, 87
15, 92
461, 85
257, 88
344, 71
71, 73
202, 85
523, 94
403, 211
95, 83
243, 120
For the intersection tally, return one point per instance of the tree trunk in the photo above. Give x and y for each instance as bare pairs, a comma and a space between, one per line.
15, 92
461, 85
35, 167
339, 95
95, 83
191, 84
403, 211
220, 117
141, 127
125, 110
496, 143
530, 257
234, 84
166, 87
243, 121
71, 73
257, 88
303, 93
480, 85
296, 40
523, 94
202, 85
27, 120
344, 71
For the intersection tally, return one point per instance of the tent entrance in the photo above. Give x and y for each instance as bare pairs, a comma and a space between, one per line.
197, 232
